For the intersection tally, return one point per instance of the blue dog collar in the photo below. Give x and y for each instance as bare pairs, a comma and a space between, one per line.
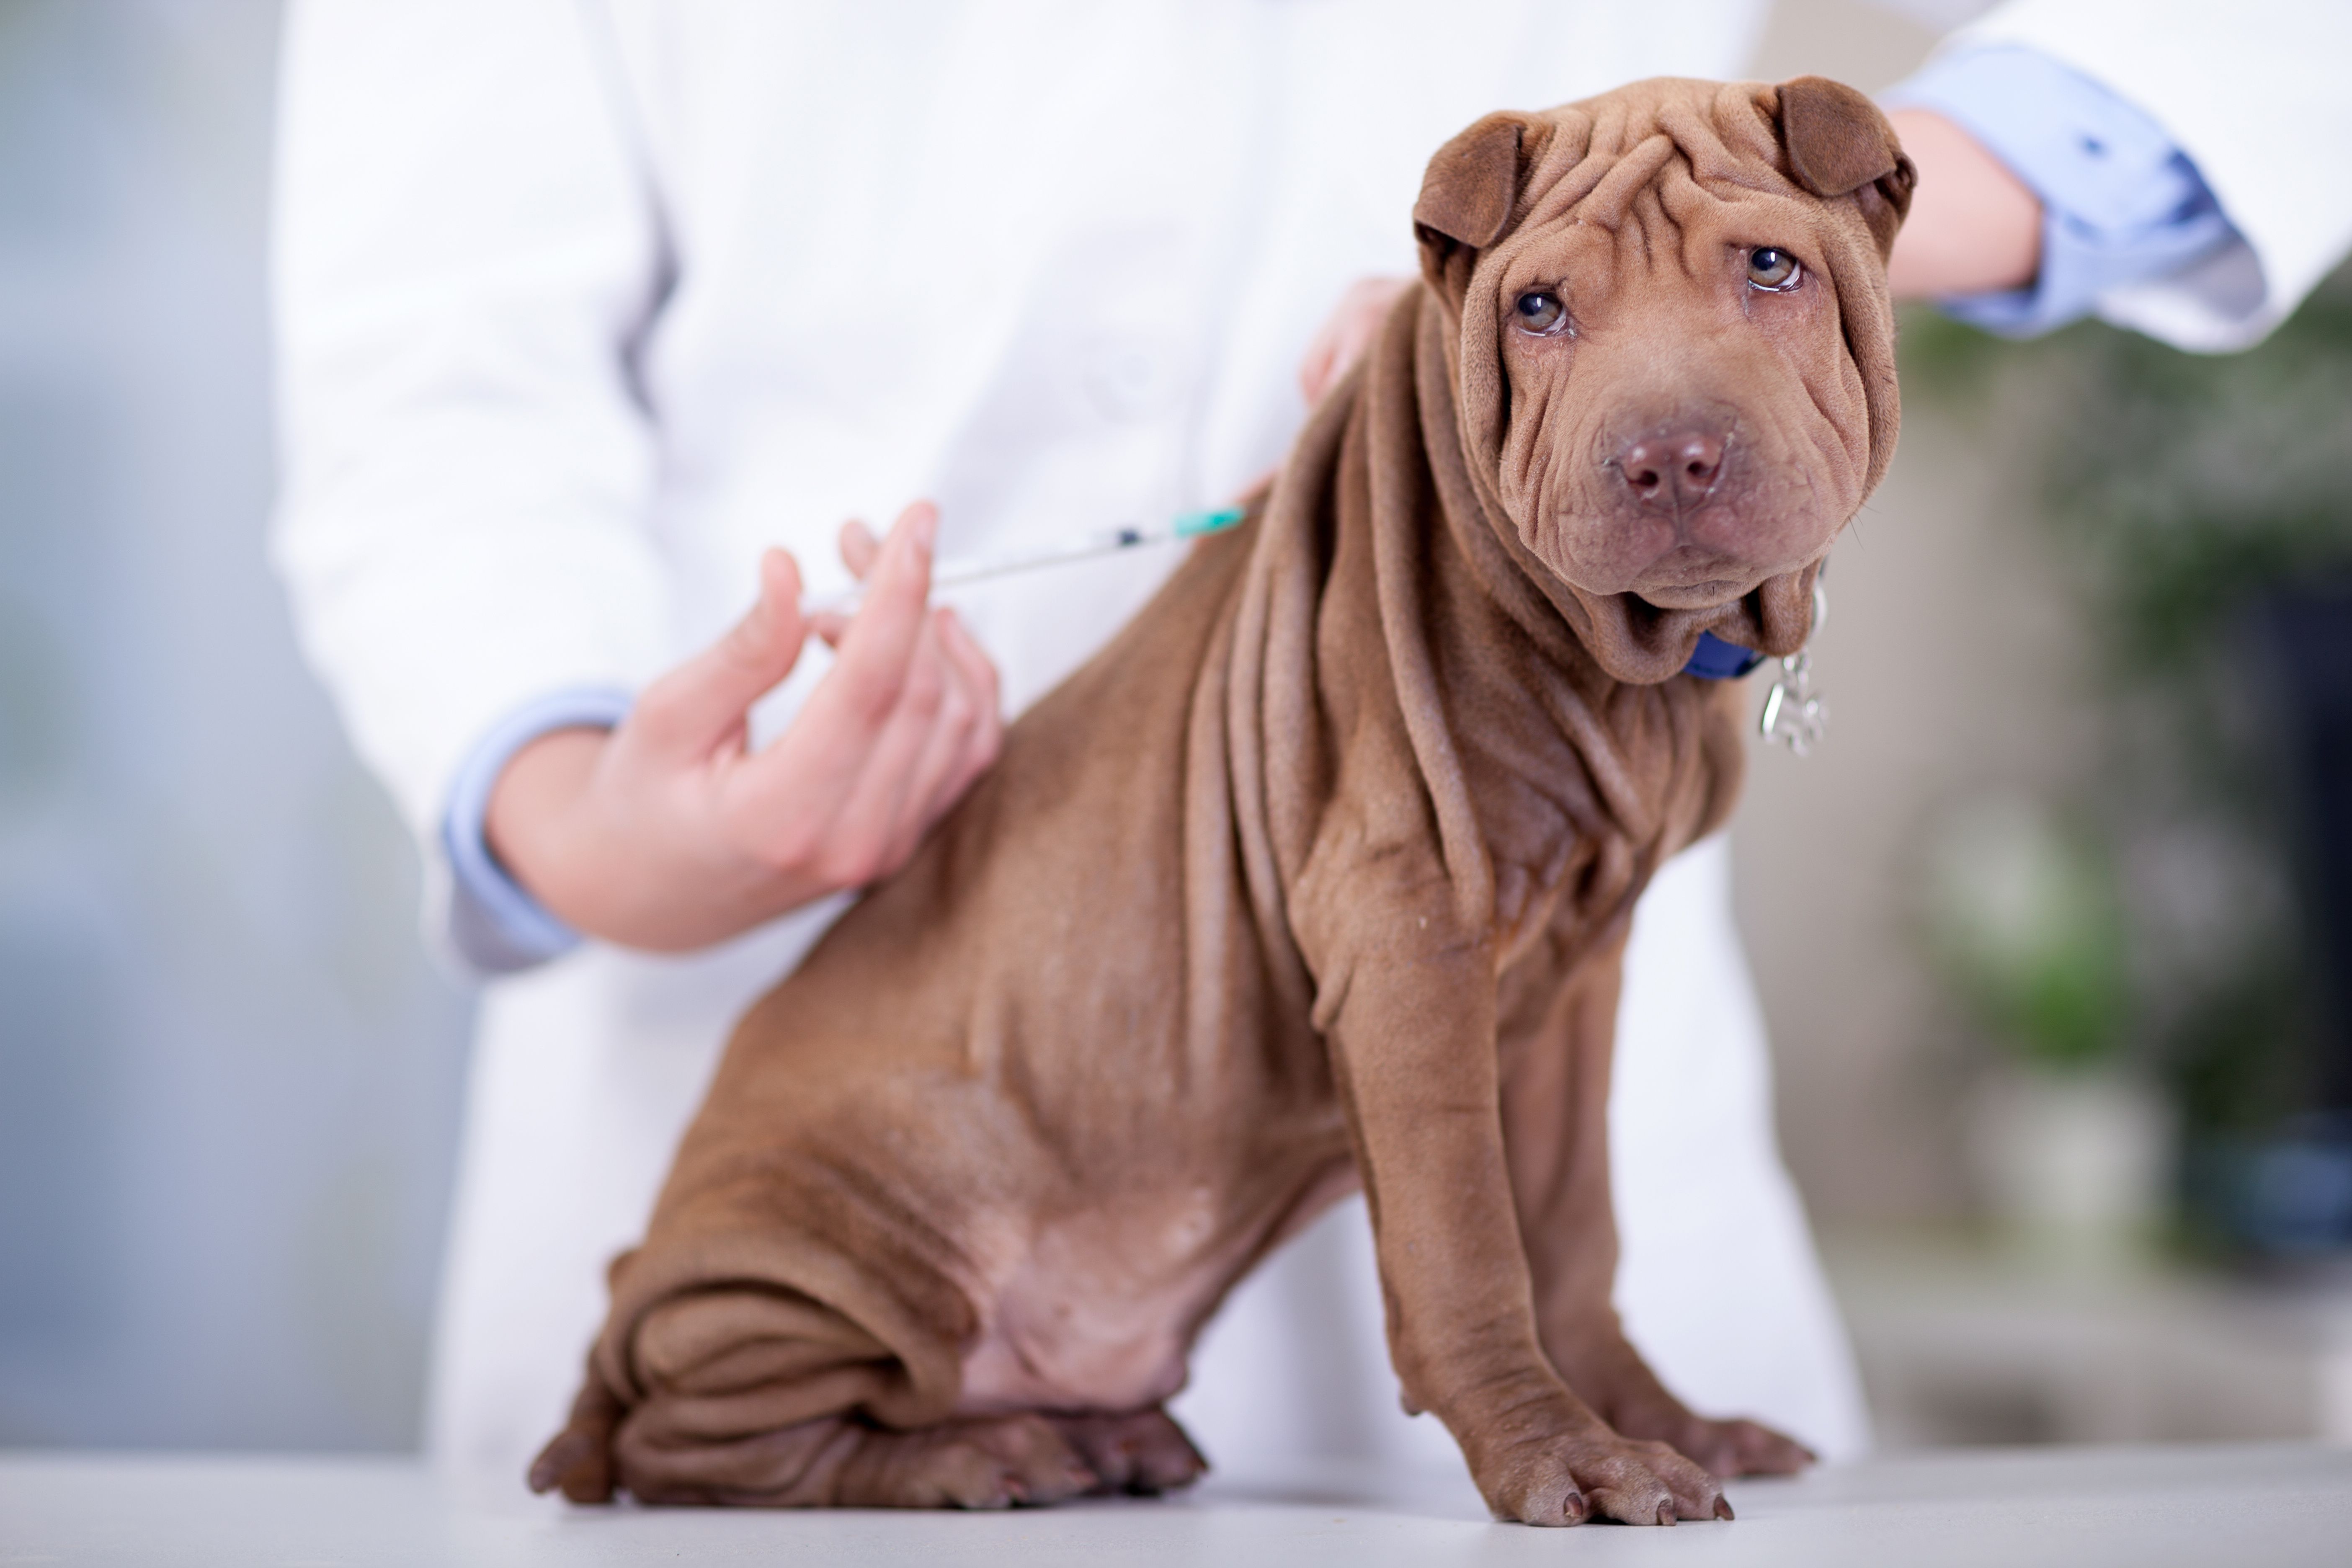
1716, 659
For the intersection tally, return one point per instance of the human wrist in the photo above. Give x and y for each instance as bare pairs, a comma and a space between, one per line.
532, 824
559, 824
1974, 226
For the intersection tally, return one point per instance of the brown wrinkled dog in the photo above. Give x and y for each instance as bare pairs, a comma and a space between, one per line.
1319, 874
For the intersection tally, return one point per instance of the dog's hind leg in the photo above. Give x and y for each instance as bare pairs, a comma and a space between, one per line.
985, 1462
844, 1461
761, 1395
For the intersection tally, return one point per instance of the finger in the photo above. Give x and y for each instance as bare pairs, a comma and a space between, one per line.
858, 548
785, 800
943, 768
1315, 370
850, 706
1349, 330
1355, 335
865, 826
984, 736
821, 801
701, 704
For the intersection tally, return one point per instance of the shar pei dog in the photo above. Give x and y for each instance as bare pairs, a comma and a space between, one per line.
1318, 875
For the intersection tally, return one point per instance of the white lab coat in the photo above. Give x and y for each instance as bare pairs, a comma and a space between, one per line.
2258, 93
582, 306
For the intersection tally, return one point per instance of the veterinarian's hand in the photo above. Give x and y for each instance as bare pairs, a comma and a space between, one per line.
1348, 332
670, 832
1973, 227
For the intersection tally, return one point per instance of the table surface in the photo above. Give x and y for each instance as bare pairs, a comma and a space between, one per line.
2238, 1505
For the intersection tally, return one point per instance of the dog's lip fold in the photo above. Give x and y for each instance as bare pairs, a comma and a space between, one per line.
1696, 571
1704, 596
1684, 578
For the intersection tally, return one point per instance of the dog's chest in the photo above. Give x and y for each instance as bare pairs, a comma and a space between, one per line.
1093, 1310
1575, 822
1097, 1311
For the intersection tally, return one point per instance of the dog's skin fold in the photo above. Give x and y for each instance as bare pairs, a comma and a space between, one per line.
1318, 874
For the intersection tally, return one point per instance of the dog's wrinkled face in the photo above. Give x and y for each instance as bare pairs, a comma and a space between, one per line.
1675, 346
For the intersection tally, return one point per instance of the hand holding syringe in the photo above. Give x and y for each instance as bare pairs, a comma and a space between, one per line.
671, 831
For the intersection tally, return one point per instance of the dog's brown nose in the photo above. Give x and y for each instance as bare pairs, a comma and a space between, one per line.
1674, 469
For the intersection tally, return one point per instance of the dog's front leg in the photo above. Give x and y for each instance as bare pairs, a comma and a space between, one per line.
1555, 1073
1413, 1039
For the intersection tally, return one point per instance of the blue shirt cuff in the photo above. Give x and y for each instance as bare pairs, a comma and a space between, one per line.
495, 925
2120, 203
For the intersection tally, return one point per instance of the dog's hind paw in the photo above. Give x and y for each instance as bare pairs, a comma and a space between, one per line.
580, 1458
995, 1462
1140, 1451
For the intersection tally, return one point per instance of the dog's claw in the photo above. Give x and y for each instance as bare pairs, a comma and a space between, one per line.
1665, 1514
1723, 1508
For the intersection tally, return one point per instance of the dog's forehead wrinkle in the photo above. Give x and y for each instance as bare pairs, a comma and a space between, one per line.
1659, 187
1613, 195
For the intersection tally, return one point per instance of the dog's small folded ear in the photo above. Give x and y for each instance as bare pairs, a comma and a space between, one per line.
1468, 193
1839, 144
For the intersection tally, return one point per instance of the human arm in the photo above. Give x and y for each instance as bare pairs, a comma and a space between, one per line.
2161, 141
469, 256
1974, 226
462, 247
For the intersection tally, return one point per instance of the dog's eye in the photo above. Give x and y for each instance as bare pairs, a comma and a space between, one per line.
1540, 312
1769, 267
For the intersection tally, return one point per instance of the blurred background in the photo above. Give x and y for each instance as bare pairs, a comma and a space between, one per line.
2053, 931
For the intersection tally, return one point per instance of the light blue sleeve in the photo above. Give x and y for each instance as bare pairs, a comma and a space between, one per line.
495, 925
2121, 204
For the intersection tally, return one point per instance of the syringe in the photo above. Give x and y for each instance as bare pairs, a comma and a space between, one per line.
956, 574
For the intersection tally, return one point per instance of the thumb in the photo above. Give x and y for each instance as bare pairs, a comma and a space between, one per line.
703, 702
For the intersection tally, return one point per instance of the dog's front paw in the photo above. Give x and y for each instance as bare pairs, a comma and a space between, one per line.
1740, 1447
1606, 1371
1569, 1479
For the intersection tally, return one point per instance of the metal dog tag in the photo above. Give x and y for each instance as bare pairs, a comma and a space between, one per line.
1795, 715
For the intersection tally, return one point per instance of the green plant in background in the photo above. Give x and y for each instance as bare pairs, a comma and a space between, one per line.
2181, 492
2025, 925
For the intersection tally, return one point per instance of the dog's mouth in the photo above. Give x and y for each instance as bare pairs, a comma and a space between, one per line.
1694, 577
1703, 580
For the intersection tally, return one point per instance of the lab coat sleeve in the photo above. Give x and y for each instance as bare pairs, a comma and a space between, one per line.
492, 924
465, 251
2254, 93
2120, 204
